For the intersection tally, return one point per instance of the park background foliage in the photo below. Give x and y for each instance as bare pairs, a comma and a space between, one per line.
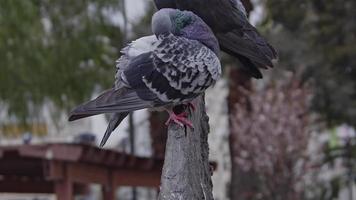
62, 52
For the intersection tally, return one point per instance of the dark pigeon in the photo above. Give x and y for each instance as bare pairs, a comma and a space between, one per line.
229, 22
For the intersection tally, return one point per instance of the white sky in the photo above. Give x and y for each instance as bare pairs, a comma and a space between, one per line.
135, 9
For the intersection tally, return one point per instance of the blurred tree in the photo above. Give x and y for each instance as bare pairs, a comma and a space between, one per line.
340, 157
272, 133
56, 50
319, 38
143, 27
238, 82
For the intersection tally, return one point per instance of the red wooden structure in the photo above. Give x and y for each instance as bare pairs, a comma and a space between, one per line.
66, 169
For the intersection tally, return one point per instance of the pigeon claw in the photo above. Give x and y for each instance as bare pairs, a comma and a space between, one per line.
192, 106
180, 119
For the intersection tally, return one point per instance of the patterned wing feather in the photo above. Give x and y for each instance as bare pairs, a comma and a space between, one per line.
188, 67
178, 70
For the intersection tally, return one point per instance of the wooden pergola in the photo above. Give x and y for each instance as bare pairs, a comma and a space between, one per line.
66, 169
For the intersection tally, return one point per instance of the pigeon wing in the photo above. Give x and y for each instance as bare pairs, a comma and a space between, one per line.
178, 70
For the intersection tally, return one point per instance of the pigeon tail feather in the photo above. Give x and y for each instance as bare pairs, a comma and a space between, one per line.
111, 101
248, 44
114, 122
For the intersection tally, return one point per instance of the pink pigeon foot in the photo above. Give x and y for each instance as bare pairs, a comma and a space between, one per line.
180, 119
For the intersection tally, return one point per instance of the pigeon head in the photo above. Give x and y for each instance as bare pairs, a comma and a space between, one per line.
185, 24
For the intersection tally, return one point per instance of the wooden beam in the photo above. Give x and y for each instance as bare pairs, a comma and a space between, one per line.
136, 178
109, 190
63, 186
53, 164
65, 152
18, 186
108, 193
54, 170
64, 189
28, 185
86, 173
21, 167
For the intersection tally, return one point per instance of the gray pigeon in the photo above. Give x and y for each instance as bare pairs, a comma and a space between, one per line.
237, 37
170, 68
